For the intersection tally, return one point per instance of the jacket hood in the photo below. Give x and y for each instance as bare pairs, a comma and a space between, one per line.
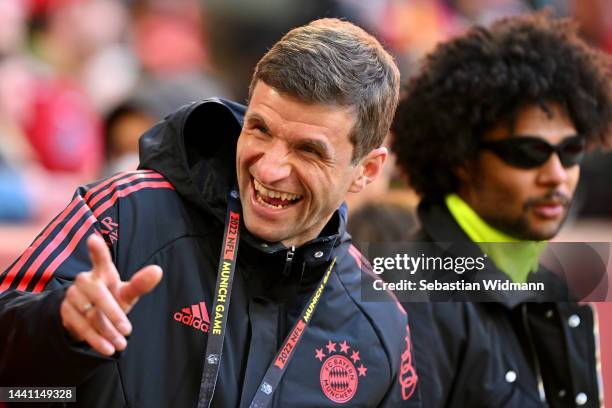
195, 149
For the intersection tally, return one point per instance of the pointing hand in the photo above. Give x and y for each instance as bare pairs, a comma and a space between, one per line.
96, 304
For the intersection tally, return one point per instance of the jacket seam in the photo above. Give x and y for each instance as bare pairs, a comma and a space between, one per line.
122, 385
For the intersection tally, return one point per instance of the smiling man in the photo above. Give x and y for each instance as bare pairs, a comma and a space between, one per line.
295, 164
491, 133
241, 207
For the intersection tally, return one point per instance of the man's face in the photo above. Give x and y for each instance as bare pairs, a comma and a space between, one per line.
294, 166
528, 204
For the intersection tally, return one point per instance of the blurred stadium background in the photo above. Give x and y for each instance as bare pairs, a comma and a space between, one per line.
80, 80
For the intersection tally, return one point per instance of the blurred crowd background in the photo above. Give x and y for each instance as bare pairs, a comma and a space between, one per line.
80, 80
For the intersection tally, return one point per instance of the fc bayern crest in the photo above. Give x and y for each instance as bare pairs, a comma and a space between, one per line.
340, 371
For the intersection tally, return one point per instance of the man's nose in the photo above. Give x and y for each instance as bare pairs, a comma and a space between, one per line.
273, 166
552, 172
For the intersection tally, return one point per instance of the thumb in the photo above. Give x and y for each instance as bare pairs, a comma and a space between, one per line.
142, 282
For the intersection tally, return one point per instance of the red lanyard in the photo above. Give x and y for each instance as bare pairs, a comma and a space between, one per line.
223, 292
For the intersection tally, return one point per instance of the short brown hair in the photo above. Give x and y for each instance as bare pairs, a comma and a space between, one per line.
331, 61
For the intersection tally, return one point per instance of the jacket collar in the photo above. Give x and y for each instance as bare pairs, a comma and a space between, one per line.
439, 226
315, 252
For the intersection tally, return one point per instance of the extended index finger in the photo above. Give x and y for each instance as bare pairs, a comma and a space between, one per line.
103, 266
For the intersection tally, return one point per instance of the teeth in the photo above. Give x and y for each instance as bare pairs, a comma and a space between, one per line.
275, 194
268, 205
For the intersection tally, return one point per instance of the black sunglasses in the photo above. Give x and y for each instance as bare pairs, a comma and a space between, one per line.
528, 152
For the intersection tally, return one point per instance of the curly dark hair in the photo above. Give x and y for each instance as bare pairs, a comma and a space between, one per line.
470, 84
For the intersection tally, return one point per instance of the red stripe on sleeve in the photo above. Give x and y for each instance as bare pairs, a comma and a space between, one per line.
62, 234
28, 252
10, 276
90, 221
121, 182
66, 252
112, 179
52, 246
357, 256
127, 191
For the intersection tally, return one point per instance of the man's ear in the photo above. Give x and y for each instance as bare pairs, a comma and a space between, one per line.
369, 168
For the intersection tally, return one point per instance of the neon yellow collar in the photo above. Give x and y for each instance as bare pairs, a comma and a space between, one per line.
516, 258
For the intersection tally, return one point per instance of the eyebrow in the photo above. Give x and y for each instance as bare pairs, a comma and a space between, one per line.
255, 117
310, 142
316, 144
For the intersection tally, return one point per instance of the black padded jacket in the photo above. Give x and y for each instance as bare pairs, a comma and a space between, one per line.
171, 213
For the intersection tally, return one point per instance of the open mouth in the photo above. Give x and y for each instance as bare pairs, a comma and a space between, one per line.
274, 199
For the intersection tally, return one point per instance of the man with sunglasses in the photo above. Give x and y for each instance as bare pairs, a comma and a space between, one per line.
491, 133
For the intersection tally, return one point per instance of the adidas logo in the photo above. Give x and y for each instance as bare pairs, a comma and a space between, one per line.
195, 316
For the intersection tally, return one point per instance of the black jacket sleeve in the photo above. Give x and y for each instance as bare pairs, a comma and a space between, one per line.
36, 349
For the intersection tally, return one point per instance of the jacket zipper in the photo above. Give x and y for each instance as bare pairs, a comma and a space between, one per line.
289, 261
536, 363
282, 309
